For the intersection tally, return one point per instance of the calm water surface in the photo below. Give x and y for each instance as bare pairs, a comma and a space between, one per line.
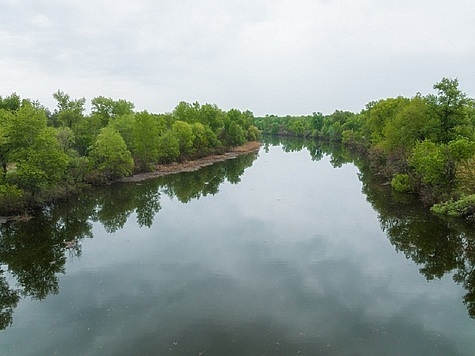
268, 254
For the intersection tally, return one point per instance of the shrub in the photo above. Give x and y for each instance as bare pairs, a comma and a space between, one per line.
401, 183
464, 207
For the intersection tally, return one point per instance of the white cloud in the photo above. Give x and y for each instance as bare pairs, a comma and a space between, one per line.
267, 56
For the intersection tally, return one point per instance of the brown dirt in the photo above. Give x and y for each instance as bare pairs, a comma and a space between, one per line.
190, 166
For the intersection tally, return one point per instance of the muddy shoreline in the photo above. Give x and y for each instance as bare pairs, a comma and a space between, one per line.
190, 166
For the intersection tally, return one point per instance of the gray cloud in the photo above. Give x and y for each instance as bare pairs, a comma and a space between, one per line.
270, 57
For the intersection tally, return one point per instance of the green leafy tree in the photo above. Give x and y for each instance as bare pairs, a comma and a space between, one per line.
85, 132
40, 166
253, 133
450, 107
11, 198
10, 103
65, 138
168, 147
409, 125
109, 156
108, 108
431, 163
125, 124
378, 114
200, 139
211, 116
145, 134
68, 111
24, 126
232, 134
184, 133
186, 112
5, 119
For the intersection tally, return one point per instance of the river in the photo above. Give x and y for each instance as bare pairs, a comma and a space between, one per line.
295, 250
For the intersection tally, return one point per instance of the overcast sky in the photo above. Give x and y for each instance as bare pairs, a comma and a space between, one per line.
271, 57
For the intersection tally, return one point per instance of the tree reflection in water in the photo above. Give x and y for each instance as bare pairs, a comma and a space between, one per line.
439, 246
33, 253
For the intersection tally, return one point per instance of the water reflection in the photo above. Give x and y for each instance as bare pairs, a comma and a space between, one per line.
259, 269
439, 246
33, 253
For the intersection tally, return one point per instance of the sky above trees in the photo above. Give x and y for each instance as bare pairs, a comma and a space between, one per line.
271, 57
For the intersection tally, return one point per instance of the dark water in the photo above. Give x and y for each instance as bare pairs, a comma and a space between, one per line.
294, 251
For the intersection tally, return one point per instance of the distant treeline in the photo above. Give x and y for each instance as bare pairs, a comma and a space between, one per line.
45, 154
423, 145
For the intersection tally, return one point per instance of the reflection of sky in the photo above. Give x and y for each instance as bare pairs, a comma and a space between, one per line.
291, 259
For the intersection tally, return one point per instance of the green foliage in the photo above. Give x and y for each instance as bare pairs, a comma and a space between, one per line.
186, 112
200, 138
184, 133
168, 147
425, 144
380, 113
85, 132
108, 108
449, 106
145, 139
211, 116
10, 103
65, 137
24, 126
461, 149
44, 154
464, 207
78, 168
125, 124
42, 165
401, 183
68, 111
11, 198
412, 123
430, 161
234, 135
253, 133
109, 156
465, 176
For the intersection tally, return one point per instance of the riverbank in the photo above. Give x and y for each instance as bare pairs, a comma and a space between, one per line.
160, 171
190, 166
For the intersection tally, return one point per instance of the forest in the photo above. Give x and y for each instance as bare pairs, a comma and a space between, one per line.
424, 145
46, 155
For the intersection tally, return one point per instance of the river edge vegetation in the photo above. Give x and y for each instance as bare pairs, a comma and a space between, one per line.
424, 145
46, 155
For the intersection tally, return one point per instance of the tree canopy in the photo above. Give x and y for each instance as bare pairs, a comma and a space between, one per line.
44, 153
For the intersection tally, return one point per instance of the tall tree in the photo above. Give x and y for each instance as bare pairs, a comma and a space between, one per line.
10, 103
42, 165
110, 157
145, 137
108, 108
68, 111
450, 107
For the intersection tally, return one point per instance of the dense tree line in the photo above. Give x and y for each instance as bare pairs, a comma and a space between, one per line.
45, 154
423, 145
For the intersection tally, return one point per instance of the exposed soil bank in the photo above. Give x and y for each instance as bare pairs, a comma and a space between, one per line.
190, 166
